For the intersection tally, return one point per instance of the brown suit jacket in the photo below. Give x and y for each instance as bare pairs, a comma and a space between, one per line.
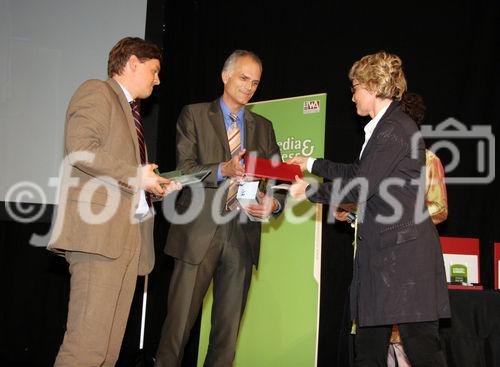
202, 144
99, 193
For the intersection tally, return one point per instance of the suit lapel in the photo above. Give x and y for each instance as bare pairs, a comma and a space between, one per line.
217, 121
249, 131
128, 114
370, 143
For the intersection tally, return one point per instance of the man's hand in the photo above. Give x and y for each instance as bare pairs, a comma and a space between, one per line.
301, 161
233, 167
267, 205
157, 185
171, 187
341, 215
298, 189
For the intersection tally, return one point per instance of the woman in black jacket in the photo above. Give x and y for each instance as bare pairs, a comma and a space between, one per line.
399, 275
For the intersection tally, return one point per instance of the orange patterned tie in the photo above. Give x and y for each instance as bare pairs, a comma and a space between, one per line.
234, 139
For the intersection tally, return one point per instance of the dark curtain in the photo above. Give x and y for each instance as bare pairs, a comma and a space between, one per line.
450, 58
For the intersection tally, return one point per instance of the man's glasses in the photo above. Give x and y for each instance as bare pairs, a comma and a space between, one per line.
353, 88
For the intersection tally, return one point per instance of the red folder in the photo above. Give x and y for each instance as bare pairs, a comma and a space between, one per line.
266, 168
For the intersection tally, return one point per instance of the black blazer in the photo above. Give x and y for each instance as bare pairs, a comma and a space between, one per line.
202, 144
399, 272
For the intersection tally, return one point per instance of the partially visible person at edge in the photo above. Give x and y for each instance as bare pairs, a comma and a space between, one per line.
436, 201
398, 272
215, 136
108, 175
436, 197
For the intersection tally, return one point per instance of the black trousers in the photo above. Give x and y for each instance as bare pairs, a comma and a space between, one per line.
420, 341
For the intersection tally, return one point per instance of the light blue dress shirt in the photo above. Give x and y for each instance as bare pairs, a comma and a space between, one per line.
228, 122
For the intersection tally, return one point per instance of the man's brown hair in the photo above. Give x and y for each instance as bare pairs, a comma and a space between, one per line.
128, 46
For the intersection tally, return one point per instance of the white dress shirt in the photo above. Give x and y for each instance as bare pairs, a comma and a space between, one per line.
142, 207
370, 127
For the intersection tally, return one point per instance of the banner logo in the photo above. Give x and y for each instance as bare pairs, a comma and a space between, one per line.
311, 106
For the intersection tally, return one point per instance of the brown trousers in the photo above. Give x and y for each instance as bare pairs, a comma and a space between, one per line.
100, 297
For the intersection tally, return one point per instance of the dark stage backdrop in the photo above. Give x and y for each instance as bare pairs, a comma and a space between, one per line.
450, 58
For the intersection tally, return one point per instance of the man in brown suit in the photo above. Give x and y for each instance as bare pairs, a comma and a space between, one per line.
205, 248
104, 225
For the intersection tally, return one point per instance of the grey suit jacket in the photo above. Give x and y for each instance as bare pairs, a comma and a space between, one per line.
399, 273
202, 144
99, 122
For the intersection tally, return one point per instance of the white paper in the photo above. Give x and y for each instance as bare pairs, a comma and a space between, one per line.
281, 187
247, 194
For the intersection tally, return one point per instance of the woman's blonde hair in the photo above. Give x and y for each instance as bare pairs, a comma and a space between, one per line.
381, 73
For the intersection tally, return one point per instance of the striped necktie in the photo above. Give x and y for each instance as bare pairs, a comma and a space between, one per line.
234, 140
139, 129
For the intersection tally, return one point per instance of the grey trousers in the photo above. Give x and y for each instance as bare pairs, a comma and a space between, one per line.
229, 263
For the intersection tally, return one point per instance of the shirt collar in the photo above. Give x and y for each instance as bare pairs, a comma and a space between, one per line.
125, 91
370, 127
226, 111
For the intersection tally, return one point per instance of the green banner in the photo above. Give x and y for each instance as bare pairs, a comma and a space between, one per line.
280, 323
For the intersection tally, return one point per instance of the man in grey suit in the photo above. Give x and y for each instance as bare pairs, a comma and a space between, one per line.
205, 248
104, 224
